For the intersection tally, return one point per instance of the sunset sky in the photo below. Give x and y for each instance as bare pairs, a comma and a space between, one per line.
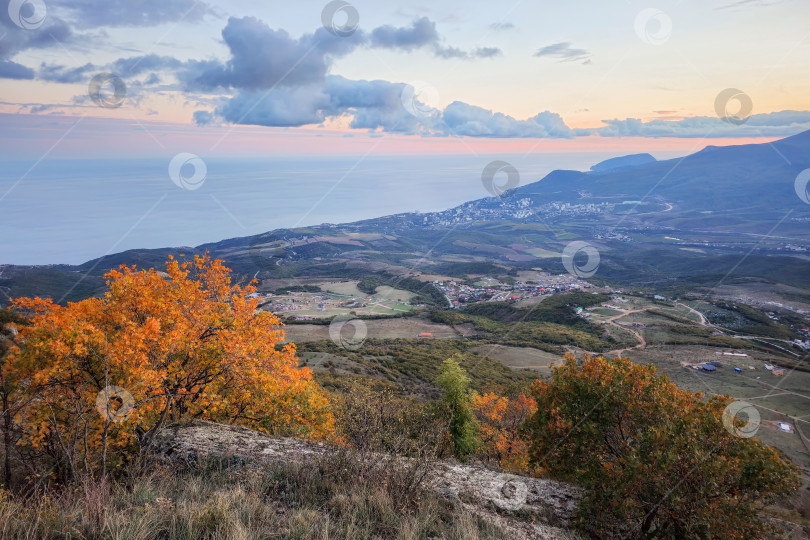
240, 77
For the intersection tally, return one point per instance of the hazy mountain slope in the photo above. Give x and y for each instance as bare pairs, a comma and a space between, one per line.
754, 181
623, 162
724, 201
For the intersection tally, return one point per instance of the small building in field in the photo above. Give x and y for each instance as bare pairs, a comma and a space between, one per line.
783, 426
708, 367
426, 334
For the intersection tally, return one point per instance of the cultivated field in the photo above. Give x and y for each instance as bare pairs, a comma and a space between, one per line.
334, 299
520, 357
345, 288
376, 329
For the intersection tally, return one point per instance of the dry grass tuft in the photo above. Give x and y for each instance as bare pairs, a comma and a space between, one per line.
216, 502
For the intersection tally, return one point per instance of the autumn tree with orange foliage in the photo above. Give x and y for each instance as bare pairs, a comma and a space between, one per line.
656, 461
500, 419
105, 374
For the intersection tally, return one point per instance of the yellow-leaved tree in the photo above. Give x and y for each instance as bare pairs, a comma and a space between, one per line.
105, 374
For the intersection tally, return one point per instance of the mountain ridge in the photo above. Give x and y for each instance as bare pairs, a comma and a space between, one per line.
623, 162
713, 204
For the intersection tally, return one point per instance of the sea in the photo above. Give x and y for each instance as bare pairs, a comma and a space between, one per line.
69, 211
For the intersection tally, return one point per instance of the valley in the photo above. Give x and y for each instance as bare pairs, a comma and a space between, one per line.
718, 302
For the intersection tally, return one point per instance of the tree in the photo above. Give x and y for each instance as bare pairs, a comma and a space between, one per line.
186, 343
500, 420
655, 461
14, 379
463, 427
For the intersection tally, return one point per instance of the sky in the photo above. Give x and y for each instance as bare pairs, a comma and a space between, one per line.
100, 79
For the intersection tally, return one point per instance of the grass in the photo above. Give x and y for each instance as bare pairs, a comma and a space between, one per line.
777, 398
214, 502
547, 326
520, 357
412, 364
377, 329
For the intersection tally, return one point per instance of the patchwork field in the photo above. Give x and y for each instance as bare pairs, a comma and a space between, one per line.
673, 336
340, 298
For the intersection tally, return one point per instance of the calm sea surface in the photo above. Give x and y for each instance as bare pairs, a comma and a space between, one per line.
70, 211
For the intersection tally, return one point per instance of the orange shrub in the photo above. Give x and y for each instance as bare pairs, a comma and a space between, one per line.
105, 374
500, 419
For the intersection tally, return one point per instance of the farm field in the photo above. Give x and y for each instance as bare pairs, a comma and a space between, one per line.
520, 357
344, 288
669, 335
340, 298
776, 398
376, 329
605, 311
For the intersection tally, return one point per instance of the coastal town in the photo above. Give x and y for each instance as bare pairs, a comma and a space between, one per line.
334, 298
486, 289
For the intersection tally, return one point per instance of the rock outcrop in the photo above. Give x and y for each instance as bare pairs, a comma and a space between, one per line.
525, 507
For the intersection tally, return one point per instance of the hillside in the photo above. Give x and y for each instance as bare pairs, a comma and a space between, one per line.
736, 188
525, 507
685, 221
622, 162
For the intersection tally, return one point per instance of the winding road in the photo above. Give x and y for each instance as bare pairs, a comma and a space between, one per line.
642, 343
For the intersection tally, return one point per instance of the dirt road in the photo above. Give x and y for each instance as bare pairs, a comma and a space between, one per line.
642, 343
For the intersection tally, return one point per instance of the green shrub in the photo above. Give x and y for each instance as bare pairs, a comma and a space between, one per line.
455, 383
